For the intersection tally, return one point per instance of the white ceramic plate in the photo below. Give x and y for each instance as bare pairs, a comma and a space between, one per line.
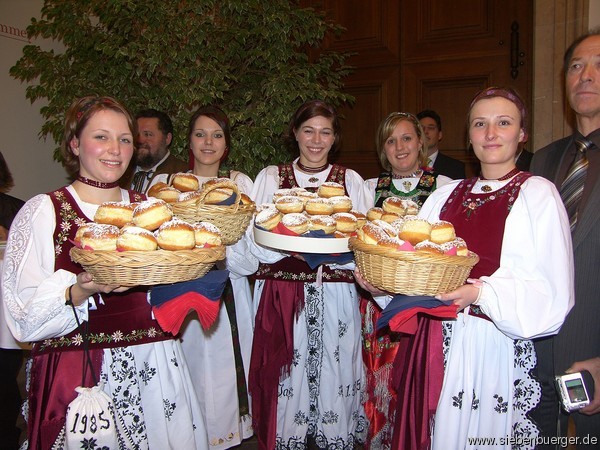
300, 244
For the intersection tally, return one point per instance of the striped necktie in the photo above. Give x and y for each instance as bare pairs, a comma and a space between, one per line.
139, 179
572, 187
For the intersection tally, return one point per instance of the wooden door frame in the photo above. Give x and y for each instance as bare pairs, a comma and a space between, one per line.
556, 23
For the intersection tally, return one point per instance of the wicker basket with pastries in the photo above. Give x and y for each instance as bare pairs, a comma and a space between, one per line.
143, 244
412, 256
217, 201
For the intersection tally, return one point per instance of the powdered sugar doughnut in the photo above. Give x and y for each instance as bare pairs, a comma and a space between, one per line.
296, 222
152, 213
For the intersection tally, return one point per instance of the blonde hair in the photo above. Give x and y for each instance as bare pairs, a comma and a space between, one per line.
385, 130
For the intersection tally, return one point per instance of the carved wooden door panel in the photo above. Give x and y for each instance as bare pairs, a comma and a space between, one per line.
451, 50
416, 54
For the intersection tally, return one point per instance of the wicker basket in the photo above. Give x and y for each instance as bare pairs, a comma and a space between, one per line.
135, 268
231, 220
411, 273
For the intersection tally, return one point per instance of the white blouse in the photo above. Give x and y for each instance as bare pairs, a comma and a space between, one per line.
532, 291
32, 291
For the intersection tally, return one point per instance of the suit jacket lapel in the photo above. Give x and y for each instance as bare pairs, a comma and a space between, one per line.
589, 216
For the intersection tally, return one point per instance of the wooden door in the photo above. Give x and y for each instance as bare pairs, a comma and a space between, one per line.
426, 54
451, 50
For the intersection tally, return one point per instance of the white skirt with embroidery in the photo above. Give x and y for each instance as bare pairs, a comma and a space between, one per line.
152, 392
487, 389
322, 397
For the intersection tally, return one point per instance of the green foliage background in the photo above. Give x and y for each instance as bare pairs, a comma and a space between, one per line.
248, 56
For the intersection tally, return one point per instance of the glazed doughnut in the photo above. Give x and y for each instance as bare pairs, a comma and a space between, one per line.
114, 213
345, 222
289, 204
155, 188
296, 222
185, 182
360, 217
175, 234
330, 189
341, 203
206, 233
134, 238
374, 213
394, 205
268, 219
429, 247
387, 227
371, 233
217, 195
324, 223
441, 232
318, 206
169, 194
415, 230
100, 236
152, 213
189, 198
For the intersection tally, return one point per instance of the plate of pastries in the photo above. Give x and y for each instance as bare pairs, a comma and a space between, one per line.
296, 216
217, 201
142, 243
408, 254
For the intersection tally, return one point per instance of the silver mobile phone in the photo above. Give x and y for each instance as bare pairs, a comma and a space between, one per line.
574, 391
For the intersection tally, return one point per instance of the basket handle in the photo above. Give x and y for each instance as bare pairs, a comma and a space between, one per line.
220, 183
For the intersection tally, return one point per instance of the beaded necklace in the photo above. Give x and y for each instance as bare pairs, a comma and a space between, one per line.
487, 188
97, 184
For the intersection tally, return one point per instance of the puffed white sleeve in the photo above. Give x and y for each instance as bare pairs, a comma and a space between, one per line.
369, 191
243, 181
265, 184
33, 292
240, 261
532, 291
355, 185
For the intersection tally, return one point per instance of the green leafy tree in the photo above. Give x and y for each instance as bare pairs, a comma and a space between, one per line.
251, 57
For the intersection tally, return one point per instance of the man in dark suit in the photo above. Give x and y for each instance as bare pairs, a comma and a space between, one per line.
579, 337
442, 164
155, 133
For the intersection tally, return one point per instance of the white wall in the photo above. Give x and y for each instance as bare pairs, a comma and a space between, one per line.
29, 157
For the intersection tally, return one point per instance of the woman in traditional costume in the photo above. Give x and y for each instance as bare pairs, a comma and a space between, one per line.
306, 374
46, 296
219, 357
403, 155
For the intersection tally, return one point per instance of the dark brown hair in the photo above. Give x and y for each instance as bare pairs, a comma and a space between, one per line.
308, 110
